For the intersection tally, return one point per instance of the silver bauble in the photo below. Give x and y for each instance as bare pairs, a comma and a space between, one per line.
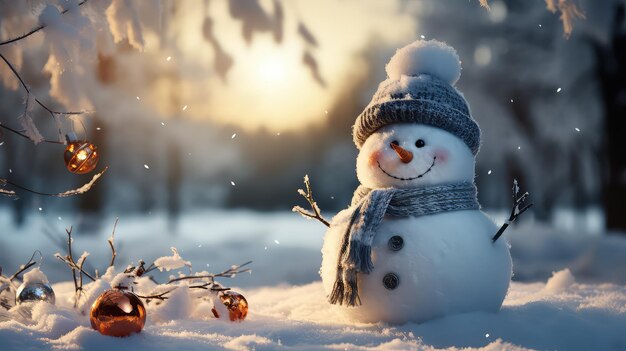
32, 292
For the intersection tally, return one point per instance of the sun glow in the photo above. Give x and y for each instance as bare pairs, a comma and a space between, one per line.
273, 69
268, 84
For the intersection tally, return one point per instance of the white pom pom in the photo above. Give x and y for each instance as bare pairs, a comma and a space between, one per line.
430, 57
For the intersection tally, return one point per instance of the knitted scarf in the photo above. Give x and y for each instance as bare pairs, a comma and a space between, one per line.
370, 206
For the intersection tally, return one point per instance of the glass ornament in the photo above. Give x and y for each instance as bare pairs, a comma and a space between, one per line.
31, 292
235, 303
118, 313
81, 156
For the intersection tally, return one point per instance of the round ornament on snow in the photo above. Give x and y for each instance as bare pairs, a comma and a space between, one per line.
414, 244
33, 292
34, 288
80, 156
234, 303
118, 313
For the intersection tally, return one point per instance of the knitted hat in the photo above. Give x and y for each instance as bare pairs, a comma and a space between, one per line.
420, 89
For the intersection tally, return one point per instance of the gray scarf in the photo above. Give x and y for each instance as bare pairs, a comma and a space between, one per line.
370, 206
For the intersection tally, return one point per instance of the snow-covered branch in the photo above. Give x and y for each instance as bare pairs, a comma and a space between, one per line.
83, 189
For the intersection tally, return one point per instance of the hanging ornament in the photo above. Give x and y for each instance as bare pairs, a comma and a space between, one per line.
118, 313
235, 303
80, 156
31, 292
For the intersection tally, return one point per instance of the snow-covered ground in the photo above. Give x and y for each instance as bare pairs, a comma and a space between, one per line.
583, 311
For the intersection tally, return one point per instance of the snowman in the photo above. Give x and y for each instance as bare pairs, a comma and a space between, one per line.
414, 245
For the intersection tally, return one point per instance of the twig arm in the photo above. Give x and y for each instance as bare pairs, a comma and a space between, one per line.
518, 208
308, 195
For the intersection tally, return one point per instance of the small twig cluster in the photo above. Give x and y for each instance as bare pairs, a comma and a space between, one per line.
200, 281
518, 208
308, 195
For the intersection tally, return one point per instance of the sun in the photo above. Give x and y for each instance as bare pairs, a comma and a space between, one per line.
272, 69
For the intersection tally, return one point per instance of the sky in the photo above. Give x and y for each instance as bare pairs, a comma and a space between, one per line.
268, 86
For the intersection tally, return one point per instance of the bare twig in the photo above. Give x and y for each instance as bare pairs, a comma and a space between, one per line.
31, 262
229, 273
111, 244
160, 296
308, 195
516, 211
76, 267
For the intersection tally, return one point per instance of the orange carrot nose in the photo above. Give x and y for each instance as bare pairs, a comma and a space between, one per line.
405, 155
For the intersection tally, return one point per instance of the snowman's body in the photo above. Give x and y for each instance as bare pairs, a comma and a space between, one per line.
446, 264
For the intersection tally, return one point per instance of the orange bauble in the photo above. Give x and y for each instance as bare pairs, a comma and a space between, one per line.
236, 304
81, 157
118, 313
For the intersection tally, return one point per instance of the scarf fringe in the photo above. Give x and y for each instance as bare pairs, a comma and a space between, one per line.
346, 289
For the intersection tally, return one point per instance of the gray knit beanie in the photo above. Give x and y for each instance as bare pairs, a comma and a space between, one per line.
420, 89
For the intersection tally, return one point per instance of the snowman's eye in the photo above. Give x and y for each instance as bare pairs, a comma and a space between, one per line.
395, 142
420, 143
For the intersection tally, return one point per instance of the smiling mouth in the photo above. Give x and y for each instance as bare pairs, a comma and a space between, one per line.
411, 178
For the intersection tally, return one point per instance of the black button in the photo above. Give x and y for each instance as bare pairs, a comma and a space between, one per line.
391, 281
395, 243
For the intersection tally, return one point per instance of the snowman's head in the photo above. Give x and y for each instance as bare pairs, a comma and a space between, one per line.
406, 155
418, 129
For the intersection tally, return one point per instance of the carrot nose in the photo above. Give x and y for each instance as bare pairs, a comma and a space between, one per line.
405, 155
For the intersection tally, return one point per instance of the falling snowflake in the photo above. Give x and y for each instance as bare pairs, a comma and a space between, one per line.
1, 143
422, 36
184, 107
232, 183
278, 133
558, 90
40, 209
60, 218
138, 98
233, 136
577, 129
519, 147
487, 335
146, 166
489, 172
98, 128
169, 58
277, 242
511, 100
163, 123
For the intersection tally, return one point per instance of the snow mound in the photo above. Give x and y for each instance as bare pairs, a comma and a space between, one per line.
560, 281
430, 57
35, 276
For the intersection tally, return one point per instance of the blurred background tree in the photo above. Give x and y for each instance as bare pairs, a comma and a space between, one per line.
259, 93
